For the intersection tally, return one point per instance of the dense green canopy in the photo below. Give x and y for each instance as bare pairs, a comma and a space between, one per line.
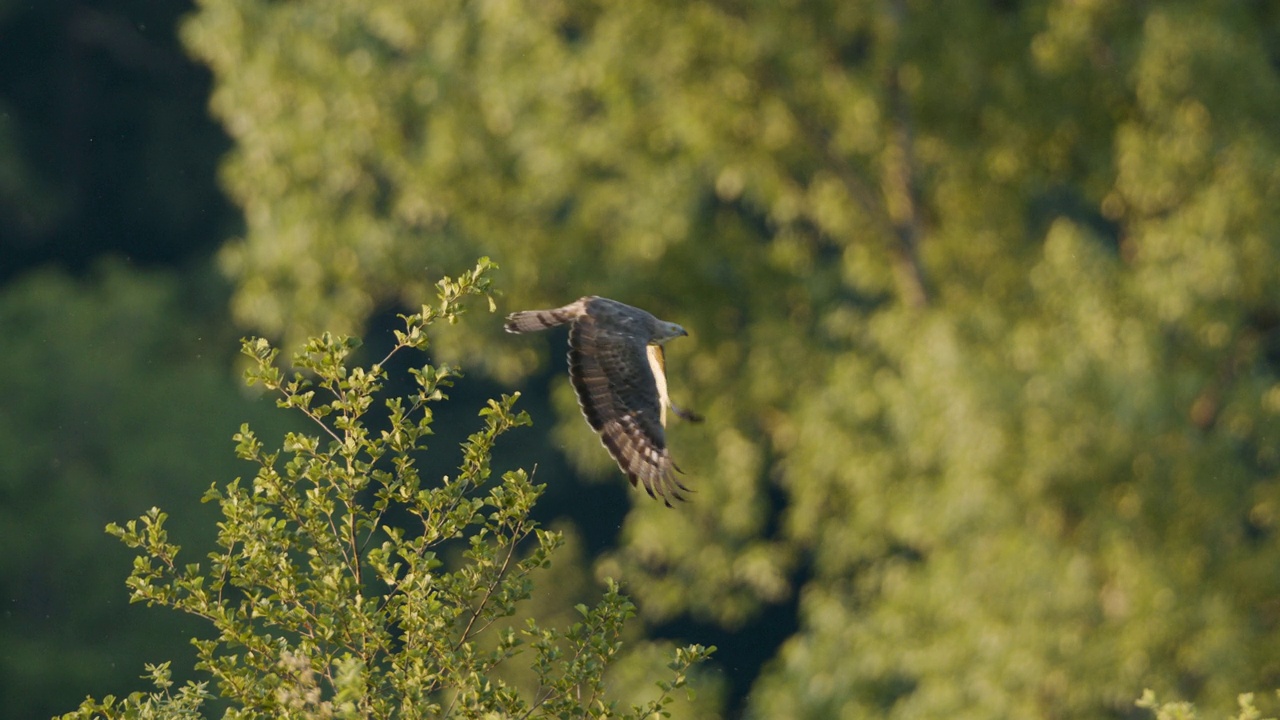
983, 302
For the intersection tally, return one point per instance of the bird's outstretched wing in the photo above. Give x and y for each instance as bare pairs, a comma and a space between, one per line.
619, 397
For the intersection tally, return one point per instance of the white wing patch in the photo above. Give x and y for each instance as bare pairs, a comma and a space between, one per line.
658, 364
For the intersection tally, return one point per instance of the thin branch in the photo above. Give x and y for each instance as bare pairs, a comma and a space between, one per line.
353, 541
310, 414
902, 190
488, 593
896, 208
582, 646
416, 405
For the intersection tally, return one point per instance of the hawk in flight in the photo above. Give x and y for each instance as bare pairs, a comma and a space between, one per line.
616, 366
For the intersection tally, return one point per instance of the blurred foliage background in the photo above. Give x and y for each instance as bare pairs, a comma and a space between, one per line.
984, 302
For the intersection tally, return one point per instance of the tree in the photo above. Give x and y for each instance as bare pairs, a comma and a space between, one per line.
332, 593
982, 299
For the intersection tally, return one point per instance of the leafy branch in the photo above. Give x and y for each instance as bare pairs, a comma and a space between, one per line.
321, 606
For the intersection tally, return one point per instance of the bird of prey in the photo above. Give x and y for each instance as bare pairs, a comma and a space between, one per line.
616, 366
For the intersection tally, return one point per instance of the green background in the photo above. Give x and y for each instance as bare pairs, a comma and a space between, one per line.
984, 303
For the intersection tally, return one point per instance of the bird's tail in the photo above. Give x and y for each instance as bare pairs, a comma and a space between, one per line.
534, 320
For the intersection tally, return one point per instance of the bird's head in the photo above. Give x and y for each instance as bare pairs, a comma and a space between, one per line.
667, 330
